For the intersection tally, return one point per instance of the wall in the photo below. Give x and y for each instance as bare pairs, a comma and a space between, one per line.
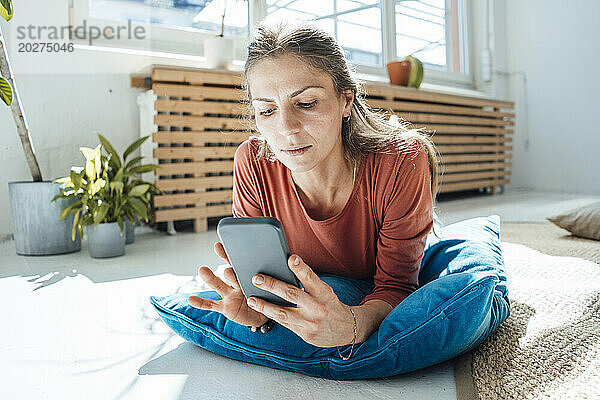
67, 98
555, 48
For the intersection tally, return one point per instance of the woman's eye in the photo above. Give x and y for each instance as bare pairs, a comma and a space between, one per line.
267, 112
308, 105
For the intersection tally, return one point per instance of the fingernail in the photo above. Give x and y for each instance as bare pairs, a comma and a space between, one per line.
297, 261
258, 279
251, 302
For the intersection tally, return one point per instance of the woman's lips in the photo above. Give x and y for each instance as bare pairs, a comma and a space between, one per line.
297, 152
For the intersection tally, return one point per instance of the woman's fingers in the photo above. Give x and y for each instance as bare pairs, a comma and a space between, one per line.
285, 316
214, 282
205, 304
220, 250
231, 279
284, 290
311, 282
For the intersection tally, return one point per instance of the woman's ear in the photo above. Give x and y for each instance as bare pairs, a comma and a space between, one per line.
349, 97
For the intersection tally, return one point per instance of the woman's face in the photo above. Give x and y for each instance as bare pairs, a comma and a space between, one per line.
296, 106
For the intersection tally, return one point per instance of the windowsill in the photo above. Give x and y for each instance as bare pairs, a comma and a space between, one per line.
430, 87
170, 60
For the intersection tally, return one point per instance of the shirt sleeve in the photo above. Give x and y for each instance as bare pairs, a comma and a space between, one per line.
246, 200
407, 219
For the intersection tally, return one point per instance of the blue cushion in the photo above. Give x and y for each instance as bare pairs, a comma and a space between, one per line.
462, 298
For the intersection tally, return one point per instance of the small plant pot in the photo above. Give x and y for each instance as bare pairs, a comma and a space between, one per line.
399, 72
105, 240
219, 52
129, 232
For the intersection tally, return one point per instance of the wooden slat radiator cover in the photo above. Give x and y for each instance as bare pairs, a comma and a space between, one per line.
201, 119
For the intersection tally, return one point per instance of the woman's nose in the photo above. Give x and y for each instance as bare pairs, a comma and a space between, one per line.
289, 124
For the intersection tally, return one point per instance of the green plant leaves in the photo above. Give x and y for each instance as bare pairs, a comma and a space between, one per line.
114, 160
144, 168
75, 225
76, 179
139, 207
6, 9
5, 91
139, 190
132, 147
107, 191
133, 162
99, 213
69, 210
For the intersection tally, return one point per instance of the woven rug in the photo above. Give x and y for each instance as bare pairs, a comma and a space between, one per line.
549, 347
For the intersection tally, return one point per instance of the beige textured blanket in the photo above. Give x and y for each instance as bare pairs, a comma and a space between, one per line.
549, 348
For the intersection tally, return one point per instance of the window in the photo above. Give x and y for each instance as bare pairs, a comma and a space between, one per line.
371, 32
167, 26
432, 31
355, 24
201, 15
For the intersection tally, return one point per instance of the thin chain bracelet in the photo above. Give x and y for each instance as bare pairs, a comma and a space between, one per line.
353, 339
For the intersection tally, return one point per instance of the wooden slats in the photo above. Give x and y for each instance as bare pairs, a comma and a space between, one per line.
469, 176
198, 92
195, 77
194, 152
216, 196
200, 107
194, 167
201, 118
195, 183
201, 115
453, 187
453, 119
199, 138
469, 139
462, 158
448, 149
475, 130
407, 106
196, 213
475, 166
201, 123
389, 92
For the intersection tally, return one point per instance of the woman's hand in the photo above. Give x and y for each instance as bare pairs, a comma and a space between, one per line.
233, 304
320, 318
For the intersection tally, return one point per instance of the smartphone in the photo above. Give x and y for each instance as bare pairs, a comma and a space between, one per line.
257, 245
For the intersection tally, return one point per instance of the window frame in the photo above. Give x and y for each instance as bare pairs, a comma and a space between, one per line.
431, 75
189, 42
159, 39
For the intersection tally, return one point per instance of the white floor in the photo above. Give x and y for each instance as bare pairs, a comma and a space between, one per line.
74, 327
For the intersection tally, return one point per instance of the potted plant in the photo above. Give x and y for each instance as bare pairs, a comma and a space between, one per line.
408, 72
36, 230
219, 50
131, 169
106, 193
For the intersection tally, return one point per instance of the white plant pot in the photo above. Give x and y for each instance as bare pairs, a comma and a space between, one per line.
219, 52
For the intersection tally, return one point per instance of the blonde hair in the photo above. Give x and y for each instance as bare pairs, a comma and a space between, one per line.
367, 130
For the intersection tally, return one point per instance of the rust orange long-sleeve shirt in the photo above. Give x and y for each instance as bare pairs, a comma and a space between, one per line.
379, 235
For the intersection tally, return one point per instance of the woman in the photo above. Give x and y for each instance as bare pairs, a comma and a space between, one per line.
353, 191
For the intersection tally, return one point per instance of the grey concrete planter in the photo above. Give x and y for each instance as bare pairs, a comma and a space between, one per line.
105, 240
37, 230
